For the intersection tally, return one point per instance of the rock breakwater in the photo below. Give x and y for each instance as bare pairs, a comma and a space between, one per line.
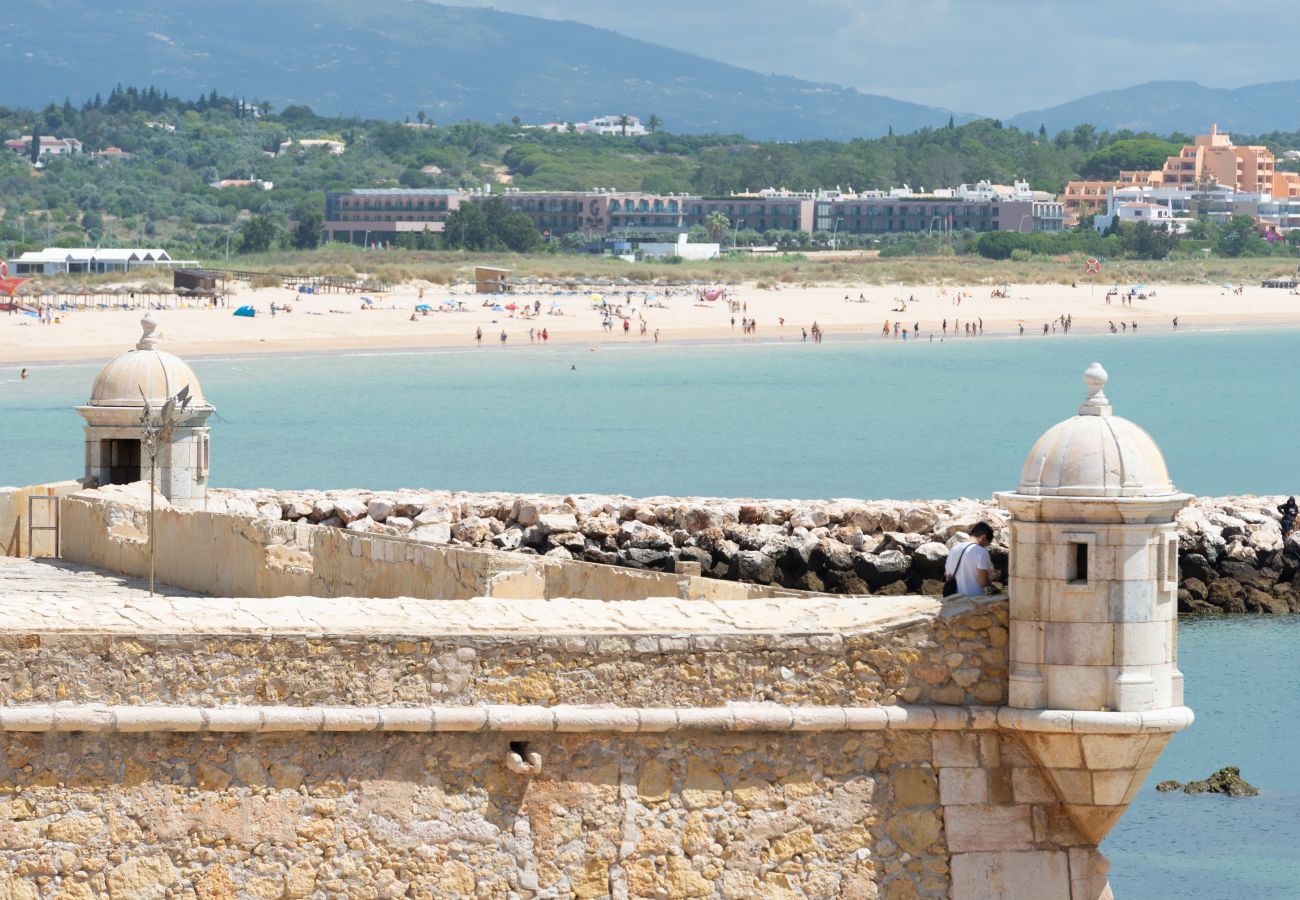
1233, 557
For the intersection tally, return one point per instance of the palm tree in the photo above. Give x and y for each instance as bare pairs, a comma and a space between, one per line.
420, 117
624, 121
653, 123
718, 226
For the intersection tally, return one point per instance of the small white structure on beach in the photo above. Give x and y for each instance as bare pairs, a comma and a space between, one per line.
88, 260
115, 451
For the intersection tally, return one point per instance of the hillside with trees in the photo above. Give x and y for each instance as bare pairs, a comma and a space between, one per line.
163, 193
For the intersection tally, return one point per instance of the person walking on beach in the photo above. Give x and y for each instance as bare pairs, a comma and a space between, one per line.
1289, 510
968, 571
478, 336
503, 337
1175, 323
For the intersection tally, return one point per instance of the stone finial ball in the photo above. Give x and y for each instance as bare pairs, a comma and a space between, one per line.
1095, 378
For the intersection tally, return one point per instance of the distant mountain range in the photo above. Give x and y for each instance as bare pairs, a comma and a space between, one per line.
1168, 106
393, 58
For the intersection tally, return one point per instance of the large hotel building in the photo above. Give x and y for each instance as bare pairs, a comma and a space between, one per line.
1211, 161
371, 215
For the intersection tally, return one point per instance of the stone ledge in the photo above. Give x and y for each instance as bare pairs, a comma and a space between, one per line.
736, 717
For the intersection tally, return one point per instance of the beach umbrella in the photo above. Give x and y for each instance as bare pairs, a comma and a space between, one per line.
367, 301
1226, 287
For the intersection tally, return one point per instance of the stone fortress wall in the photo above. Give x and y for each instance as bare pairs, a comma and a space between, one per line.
211, 747
360, 699
697, 737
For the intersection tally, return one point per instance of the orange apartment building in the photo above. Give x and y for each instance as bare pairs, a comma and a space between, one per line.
1212, 158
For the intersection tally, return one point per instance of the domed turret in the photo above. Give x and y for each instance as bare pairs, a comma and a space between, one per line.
115, 449
1093, 602
144, 372
1095, 454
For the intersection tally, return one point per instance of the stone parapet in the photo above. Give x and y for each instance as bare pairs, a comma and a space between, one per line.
1232, 554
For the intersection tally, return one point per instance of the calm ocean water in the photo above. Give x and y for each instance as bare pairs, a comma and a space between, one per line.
855, 419
862, 419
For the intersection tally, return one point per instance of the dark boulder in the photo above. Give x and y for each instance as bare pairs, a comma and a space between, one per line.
1227, 780
1194, 565
753, 566
880, 569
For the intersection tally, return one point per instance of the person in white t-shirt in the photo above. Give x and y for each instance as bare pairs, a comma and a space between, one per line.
969, 562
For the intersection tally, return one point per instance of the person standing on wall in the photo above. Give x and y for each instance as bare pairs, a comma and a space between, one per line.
968, 571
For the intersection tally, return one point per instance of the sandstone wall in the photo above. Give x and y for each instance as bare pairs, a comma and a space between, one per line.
14, 508
793, 801
1232, 553
437, 816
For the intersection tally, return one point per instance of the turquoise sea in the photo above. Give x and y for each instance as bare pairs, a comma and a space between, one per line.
866, 418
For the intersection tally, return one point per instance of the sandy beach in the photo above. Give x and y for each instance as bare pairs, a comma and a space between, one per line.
331, 322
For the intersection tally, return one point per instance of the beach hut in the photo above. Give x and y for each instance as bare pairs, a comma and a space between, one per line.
491, 280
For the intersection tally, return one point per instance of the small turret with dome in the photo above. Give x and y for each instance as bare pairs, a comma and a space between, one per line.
1095, 454
1093, 584
148, 376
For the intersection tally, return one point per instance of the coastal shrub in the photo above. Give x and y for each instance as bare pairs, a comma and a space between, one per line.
266, 280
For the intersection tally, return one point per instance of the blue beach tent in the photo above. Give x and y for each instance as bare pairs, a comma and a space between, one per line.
246, 311
423, 307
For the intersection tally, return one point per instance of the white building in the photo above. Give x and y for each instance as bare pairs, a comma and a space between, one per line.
50, 146
612, 125
333, 147
87, 260
682, 249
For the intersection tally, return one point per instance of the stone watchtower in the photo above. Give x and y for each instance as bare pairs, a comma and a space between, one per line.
114, 436
1093, 603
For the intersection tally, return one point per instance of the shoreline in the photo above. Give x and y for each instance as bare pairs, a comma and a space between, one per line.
707, 339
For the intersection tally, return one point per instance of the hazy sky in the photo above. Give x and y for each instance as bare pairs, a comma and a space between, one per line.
991, 57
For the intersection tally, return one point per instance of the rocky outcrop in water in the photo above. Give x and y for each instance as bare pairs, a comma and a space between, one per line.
1231, 549
1227, 780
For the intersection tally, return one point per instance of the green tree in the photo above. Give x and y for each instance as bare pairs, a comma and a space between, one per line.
257, 235
509, 229
654, 123
624, 121
1142, 154
1145, 241
306, 233
717, 225
466, 228
1238, 238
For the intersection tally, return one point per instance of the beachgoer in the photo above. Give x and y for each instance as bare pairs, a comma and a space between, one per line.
1175, 323
503, 337
805, 335
969, 564
478, 336
23, 374
656, 335
1287, 509
546, 335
